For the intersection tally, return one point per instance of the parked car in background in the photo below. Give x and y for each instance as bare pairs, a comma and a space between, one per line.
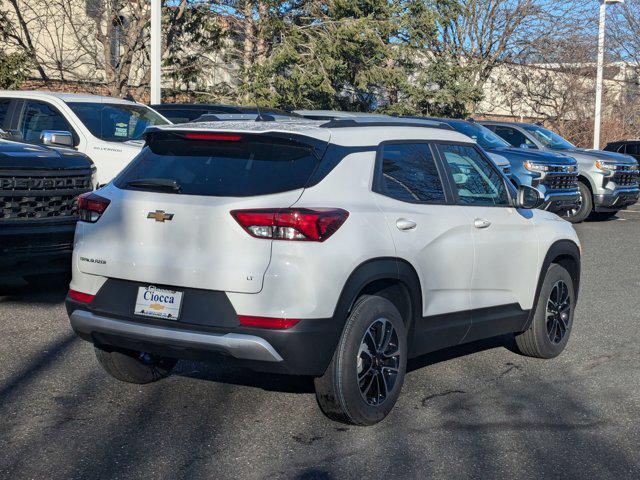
38, 191
362, 117
627, 147
554, 174
608, 181
338, 114
193, 112
109, 130
335, 249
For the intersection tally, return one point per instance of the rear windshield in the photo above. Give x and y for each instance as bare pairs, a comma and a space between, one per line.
245, 166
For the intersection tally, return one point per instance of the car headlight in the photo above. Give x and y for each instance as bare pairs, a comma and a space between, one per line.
600, 165
535, 167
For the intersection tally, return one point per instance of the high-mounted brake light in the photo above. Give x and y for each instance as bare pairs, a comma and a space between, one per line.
301, 224
80, 297
225, 137
91, 207
267, 322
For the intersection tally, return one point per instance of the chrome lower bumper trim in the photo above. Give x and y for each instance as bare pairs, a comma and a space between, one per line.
248, 347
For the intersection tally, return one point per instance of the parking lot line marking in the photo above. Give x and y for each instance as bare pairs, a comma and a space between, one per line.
629, 211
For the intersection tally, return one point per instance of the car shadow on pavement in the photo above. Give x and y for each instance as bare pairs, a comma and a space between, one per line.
545, 427
48, 289
226, 370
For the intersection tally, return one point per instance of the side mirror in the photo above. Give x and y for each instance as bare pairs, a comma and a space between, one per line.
56, 138
529, 197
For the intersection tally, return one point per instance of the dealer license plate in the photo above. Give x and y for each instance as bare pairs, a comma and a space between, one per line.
158, 303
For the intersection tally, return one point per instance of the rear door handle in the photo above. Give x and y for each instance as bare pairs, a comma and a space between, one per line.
405, 224
481, 223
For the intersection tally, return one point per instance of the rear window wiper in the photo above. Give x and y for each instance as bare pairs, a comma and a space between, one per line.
155, 184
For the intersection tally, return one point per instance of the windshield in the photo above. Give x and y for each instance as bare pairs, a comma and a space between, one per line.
548, 138
482, 135
116, 122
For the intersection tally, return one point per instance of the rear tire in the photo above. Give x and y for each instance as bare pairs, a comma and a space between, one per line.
548, 334
134, 367
580, 213
365, 376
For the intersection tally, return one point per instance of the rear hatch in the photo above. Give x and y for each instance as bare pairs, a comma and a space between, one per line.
169, 220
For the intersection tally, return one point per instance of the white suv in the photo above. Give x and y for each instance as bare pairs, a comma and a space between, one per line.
334, 250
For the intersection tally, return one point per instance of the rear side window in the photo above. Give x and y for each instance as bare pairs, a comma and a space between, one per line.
409, 174
238, 166
4, 110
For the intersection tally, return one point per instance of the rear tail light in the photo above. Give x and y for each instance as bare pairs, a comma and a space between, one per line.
91, 207
80, 297
267, 322
300, 224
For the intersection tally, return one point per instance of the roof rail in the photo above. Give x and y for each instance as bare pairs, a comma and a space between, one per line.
363, 122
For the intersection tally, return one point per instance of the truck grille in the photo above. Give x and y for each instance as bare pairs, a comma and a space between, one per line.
34, 197
561, 182
625, 178
24, 208
45, 183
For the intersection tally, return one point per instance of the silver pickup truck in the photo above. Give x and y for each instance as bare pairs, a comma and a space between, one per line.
608, 181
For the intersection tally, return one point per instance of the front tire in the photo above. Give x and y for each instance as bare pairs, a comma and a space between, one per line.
133, 367
548, 334
365, 376
583, 210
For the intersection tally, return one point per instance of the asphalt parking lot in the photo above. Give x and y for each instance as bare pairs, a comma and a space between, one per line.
480, 411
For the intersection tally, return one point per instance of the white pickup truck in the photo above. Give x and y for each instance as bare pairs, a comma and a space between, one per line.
107, 129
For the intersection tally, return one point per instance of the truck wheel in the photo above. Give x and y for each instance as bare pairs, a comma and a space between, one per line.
550, 328
363, 381
582, 211
133, 367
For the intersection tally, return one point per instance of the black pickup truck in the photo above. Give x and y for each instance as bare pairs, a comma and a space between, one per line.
38, 191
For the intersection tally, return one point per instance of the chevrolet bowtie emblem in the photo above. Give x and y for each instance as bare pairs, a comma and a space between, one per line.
160, 216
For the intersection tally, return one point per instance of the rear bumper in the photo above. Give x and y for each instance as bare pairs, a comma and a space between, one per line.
208, 327
617, 200
36, 248
246, 347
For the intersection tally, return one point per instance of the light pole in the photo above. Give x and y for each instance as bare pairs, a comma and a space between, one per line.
598, 115
156, 51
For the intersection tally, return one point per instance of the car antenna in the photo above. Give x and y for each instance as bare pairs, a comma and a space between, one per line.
261, 117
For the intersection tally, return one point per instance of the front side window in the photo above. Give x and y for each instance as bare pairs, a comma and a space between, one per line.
185, 115
514, 137
477, 182
548, 138
633, 149
38, 117
409, 174
116, 122
481, 134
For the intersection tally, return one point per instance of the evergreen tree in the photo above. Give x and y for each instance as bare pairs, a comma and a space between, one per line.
361, 55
